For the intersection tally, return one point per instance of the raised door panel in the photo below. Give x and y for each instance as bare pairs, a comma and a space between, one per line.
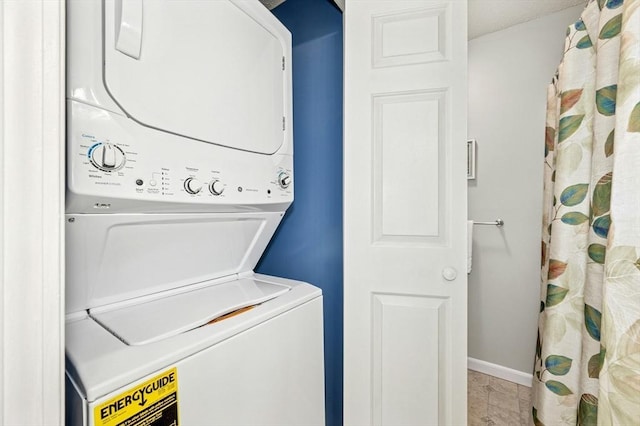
408, 395
408, 136
410, 37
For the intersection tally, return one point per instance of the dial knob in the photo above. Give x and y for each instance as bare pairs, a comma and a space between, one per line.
284, 180
192, 185
216, 187
107, 157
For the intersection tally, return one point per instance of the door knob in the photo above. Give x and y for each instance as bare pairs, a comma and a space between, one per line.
449, 273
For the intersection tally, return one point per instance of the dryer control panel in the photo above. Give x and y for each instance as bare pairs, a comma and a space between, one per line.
112, 159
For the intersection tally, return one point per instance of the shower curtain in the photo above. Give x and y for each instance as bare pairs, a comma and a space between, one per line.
587, 361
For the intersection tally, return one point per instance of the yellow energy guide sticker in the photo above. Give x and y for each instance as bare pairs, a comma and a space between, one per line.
152, 403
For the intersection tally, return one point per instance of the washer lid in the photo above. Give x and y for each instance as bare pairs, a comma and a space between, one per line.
207, 70
158, 319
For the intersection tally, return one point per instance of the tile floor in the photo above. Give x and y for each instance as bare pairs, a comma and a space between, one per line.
497, 402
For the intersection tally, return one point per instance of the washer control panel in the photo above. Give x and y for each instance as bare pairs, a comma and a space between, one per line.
112, 157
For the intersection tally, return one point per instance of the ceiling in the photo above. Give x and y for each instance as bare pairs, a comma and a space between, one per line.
487, 16
270, 4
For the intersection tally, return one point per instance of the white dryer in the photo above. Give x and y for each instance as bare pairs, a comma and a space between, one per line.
179, 170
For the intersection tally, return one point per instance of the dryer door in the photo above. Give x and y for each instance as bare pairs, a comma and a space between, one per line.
207, 70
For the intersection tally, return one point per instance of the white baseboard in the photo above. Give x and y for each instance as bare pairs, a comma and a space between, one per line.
500, 372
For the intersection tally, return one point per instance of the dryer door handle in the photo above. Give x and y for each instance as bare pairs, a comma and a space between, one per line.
128, 14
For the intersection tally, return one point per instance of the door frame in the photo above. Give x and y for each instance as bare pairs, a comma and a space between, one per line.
32, 187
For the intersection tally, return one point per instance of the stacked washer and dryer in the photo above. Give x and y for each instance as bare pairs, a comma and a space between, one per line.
179, 170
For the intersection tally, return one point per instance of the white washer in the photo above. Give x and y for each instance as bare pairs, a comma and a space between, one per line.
179, 170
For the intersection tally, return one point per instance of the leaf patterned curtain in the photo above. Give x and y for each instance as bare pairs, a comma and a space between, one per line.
587, 362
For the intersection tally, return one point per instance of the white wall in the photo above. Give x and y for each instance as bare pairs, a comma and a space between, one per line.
508, 74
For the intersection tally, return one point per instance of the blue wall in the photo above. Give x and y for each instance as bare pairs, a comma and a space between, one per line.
308, 244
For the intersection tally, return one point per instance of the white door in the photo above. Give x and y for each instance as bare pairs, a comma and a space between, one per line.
405, 201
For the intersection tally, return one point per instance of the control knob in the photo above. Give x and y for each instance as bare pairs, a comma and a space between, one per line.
284, 180
216, 187
107, 157
192, 185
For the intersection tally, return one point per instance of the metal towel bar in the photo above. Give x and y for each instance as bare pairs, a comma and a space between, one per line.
498, 222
